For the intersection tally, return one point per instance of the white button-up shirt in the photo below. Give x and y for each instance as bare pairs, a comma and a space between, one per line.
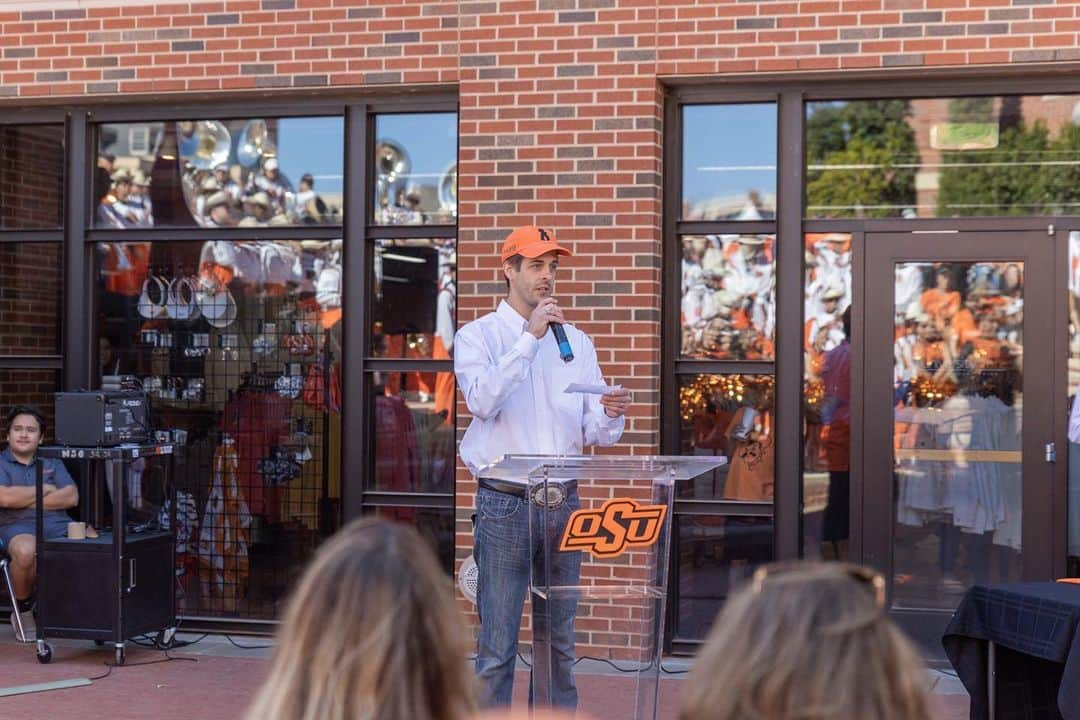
513, 385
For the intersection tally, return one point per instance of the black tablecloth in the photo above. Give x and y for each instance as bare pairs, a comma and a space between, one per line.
1040, 620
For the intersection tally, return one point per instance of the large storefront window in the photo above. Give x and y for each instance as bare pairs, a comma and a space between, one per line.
240, 342
827, 395
31, 177
912, 433
412, 295
722, 389
943, 157
238, 345
220, 173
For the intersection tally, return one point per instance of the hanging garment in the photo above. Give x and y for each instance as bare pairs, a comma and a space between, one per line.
187, 518
397, 461
750, 476
313, 388
225, 533
256, 420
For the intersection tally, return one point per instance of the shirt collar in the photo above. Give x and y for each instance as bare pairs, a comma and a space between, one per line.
10, 456
511, 316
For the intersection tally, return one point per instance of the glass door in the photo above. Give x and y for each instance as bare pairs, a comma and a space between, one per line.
958, 431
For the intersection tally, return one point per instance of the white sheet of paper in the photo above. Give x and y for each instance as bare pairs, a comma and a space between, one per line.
591, 389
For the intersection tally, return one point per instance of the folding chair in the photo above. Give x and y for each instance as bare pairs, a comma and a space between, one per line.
4, 562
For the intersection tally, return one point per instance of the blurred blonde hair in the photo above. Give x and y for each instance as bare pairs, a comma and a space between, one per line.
808, 642
371, 631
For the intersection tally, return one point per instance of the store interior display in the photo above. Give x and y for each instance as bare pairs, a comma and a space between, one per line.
238, 347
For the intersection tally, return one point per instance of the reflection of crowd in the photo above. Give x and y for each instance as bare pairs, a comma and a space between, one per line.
827, 391
957, 360
127, 203
728, 290
828, 294
223, 196
405, 208
945, 335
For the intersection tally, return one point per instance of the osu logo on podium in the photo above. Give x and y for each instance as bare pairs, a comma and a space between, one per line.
621, 524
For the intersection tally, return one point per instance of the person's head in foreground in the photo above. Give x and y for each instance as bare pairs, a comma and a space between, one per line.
809, 641
371, 631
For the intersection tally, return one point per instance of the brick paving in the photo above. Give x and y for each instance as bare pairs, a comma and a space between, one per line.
213, 680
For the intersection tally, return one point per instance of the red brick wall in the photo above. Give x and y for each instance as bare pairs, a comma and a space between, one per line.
561, 106
30, 299
560, 126
145, 47
31, 176
29, 387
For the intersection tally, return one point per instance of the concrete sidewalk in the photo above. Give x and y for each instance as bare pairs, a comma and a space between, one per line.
214, 679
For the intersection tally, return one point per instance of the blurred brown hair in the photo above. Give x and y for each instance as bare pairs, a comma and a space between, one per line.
806, 641
371, 631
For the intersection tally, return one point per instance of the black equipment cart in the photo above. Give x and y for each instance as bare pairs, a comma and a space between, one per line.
119, 585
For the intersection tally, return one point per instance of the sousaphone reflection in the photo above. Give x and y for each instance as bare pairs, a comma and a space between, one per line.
392, 165
254, 144
448, 190
204, 144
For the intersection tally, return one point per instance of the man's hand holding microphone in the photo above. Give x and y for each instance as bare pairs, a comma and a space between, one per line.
548, 314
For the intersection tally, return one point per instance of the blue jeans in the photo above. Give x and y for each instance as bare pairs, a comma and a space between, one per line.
504, 557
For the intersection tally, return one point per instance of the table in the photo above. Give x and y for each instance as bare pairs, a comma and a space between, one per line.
1024, 636
117, 586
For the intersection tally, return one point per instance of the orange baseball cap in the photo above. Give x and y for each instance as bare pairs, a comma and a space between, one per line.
531, 241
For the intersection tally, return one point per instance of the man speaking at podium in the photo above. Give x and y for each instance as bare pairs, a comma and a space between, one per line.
513, 366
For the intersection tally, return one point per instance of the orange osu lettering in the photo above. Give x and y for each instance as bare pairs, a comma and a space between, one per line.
620, 524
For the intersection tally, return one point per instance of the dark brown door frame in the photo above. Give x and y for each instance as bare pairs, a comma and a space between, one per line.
1041, 383
1059, 406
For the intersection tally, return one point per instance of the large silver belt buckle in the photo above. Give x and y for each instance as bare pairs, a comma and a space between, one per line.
550, 496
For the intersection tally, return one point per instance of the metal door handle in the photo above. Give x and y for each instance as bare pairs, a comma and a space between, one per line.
131, 574
1051, 452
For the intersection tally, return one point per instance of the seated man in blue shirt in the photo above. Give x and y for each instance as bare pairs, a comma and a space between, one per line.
18, 518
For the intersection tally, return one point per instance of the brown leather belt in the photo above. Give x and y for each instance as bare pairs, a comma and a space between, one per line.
554, 497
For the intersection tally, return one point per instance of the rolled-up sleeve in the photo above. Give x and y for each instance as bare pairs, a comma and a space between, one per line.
599, 428
487, 382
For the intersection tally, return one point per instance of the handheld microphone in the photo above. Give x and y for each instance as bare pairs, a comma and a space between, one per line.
565, 352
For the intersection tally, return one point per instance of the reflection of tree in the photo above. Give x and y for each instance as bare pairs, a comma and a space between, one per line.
1010, 179
1063, 181
1000, 181
869, 139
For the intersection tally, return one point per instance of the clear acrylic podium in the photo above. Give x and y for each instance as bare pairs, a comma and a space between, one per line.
600, 532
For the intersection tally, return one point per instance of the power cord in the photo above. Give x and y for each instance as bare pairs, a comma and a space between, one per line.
168, 658
612, 664
248, 647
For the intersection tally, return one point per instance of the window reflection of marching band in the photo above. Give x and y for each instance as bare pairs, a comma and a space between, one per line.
957, 374
401, 198
221, 183
728, 308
